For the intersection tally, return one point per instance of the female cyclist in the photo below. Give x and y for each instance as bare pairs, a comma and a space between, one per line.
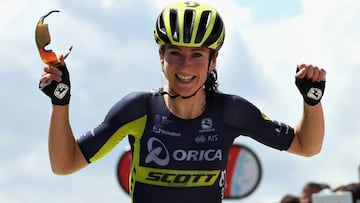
180, 134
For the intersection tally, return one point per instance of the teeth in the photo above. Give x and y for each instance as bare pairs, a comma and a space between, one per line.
185, 77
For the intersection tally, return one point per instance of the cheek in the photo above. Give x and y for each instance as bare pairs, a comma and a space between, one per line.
165, 70
170, 60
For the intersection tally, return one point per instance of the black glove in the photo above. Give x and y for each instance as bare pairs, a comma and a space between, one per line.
59, 92
312, 92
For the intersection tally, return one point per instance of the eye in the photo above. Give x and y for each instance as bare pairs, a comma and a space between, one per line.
174, 53
197, 54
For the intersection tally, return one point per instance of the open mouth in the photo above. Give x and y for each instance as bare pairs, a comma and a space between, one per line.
185, 78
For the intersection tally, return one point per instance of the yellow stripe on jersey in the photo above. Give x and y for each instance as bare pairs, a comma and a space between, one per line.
135, 128
265, 117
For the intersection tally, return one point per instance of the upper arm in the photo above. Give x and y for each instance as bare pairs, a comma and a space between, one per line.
309, 132
79, 160
128, 116
252, 122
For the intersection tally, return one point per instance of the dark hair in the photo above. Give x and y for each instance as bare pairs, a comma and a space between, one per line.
316, 187
289, 198
211, 84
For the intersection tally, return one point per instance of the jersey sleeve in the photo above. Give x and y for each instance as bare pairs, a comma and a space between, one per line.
128, 116
251, 122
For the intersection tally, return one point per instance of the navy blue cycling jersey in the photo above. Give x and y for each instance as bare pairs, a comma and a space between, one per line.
180, 160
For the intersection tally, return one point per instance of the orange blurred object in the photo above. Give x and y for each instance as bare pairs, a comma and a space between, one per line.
42, 38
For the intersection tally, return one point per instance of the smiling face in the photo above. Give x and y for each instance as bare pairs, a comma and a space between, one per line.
185, 68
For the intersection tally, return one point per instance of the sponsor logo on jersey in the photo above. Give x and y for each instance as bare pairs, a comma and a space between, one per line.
155, 152
281, 127
160, 122
164, 120
198, 155
158, 130
178, 178
160, 155
207, 125
206, 138
206, 132
200, 139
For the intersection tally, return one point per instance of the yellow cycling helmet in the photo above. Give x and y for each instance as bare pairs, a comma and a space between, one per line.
190, 24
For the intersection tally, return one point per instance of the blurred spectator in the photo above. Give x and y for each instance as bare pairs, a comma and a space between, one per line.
354, 188
311, 188
289, 198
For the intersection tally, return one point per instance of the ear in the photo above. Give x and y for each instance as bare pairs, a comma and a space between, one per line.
161, 55
213, 61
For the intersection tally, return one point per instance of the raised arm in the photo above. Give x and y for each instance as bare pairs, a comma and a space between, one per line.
64, 152
309, 131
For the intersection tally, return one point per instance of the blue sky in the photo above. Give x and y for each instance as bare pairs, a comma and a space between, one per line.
267, 11
113, 44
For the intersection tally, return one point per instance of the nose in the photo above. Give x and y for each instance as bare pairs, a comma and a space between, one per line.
185, 61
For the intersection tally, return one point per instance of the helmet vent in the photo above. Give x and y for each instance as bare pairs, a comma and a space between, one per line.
216, 32
161, 30
160, 25
203, 25
188, 25
174, 24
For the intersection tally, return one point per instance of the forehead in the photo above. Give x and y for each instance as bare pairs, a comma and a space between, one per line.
182, 48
